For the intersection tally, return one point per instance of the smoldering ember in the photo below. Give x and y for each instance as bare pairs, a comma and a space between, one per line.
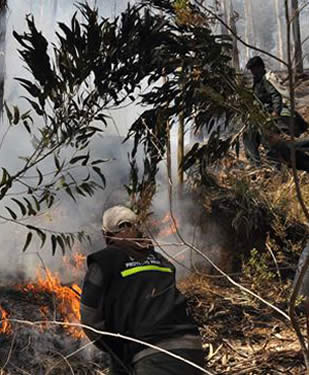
189, 120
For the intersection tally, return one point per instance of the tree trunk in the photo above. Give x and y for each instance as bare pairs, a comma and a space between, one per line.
250, 36
3, 19
235, 53
247, 29
55, 10
252, 24
280, 33
180, 151
225, 17
298, 55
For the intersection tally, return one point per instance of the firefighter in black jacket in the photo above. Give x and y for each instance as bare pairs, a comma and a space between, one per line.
272, 102
130, 289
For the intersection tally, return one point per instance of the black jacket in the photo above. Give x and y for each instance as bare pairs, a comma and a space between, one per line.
267, 94
140, 298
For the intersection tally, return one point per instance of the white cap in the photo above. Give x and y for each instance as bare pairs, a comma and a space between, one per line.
115, 216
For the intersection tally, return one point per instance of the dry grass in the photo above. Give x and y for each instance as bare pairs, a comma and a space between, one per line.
240, 335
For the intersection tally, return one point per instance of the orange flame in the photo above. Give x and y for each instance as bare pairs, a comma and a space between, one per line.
170, 226
79, 261
68, 303
5, 325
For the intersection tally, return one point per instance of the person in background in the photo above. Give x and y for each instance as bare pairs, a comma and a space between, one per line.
272, 102
130, 289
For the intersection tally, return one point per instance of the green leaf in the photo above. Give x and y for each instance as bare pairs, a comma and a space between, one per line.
28, 240
43, 238
40, 176
61, 243
35, 106
98, 171
21, 206
79, 191
12, 213
26, 115
56, 160
99, 161
31, 210
69, 191
26, 125
54, 243
5, 177
77, 158
16, 115
37, 204
8, 113
50, 201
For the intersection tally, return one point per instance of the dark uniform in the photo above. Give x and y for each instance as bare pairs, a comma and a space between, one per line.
271, 99
134, 293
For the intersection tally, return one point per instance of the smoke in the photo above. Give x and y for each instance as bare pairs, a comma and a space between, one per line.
265, 28
15, 143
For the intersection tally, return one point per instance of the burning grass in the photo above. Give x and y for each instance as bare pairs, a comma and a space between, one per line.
66, 298
5, 325
45, 348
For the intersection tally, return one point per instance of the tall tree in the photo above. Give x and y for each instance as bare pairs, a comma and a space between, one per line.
55, 10
250, 35
298, 54
247, 31
3, 16
225, 16
235, 52
280, 32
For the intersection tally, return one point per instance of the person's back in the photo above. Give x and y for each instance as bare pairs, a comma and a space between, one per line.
133, 290
140, 297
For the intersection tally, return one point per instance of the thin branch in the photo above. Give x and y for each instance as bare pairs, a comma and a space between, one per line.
10, 352
233, 281
295, 293
110, 334
65, 358
275, 261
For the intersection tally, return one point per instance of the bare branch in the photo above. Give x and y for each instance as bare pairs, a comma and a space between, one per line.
117, 335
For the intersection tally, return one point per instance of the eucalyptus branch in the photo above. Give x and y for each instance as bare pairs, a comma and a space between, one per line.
7, 219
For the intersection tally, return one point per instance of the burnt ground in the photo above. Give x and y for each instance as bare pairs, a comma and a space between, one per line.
42, 349
240, 334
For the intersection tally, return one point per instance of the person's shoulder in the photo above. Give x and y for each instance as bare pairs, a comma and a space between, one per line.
161, 257
107, 253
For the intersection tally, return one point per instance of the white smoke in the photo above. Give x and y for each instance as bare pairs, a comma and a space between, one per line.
14, 141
